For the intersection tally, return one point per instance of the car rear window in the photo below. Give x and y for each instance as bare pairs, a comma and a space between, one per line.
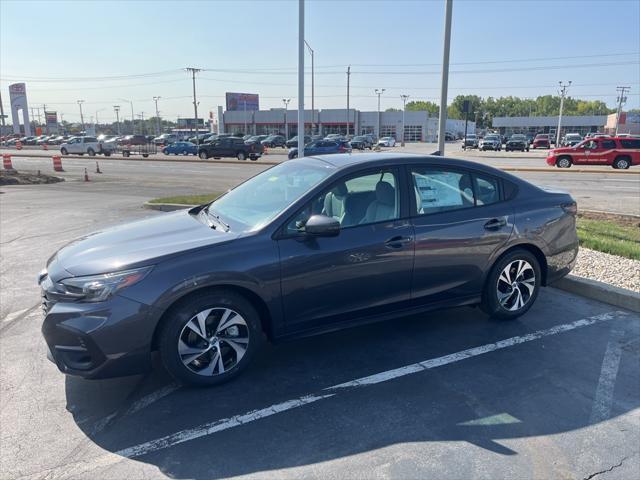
630, 143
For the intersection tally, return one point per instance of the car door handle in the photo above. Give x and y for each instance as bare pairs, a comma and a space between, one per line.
495, 224
398, 242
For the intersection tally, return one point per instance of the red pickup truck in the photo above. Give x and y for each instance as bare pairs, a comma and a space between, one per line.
619, 152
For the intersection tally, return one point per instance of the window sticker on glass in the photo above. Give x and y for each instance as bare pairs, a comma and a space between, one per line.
440, 189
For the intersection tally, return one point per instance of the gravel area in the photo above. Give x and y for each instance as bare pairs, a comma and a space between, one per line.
612, 269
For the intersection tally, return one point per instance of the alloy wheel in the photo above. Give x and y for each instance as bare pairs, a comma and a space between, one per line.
516, 285
213, 341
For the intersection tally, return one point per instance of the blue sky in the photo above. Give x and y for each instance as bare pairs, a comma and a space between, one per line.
64, 51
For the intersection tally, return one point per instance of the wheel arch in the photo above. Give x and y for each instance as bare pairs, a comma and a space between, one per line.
258, 303
531, 248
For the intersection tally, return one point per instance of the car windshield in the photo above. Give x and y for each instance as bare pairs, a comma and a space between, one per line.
359, 139
253, 204
517, 137
491, 137
471, 136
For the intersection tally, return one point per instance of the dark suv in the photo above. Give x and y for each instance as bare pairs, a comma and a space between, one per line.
273, 141
230, 147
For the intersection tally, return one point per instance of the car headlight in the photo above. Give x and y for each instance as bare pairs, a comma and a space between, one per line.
98, 288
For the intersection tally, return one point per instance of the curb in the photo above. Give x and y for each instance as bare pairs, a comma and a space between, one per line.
602, 292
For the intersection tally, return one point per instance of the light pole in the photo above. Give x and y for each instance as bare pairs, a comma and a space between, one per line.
621, 99
348, 79
563, 92
286, 125
244, 115
313, 111
404, 108
155, 99
444, 84
80, 102
379, 92
116, 108
143, 130
133, 118
300, 78
195, 103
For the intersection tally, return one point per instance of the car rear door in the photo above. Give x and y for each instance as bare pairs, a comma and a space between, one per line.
363, 270
461, 220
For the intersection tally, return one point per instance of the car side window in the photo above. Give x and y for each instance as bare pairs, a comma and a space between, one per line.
608, 144
440, 190
630, 143
487, 190
360, 200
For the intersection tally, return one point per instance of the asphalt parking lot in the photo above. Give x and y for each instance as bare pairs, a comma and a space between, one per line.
449, 394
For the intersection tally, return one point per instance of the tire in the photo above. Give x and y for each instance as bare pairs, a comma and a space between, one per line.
126, 153
526, 149
165, 151
145, 155
241, 156
507, 296
564, 162
621, 163
64, 151
91, 152
107, 154
203, 155
253, 157
181, 330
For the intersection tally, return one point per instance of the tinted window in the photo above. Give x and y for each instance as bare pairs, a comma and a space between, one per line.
630, 143
607, 144
90, 139
438, 190
360, 200
487, 190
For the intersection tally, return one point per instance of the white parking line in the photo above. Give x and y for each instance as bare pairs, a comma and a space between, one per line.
601, 408
90, 464
13, 315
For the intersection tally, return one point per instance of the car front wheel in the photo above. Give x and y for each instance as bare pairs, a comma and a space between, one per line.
203, 155
621, 163
563, 162
63, 151
241, 156
512, 285
210, 338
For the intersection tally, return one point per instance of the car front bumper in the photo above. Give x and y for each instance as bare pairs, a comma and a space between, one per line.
99, 340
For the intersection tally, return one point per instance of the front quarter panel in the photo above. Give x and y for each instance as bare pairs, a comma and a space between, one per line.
250, 263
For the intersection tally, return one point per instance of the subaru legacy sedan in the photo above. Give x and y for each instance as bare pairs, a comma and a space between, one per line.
310, 245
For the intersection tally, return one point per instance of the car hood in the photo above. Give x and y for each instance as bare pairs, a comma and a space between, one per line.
134, 244
562, 150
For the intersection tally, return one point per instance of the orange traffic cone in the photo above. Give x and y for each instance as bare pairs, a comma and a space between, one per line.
86, 175
98, 168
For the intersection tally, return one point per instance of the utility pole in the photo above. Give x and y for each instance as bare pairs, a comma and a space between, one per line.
245, 117
195, 103
404, 109
155, 99
379, 92
286, 125
444, 84
313, 111
348, 79
116, 108
563, 92
621, 99
80, 102
300, 78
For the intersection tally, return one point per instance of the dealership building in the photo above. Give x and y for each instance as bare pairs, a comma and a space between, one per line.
419, 126
570, 124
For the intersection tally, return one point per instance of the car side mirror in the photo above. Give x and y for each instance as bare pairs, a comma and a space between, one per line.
322, 226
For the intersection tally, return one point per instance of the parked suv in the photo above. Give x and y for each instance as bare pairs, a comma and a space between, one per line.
619, 152
273, 141
517, 142
230, 147
491, 142
541, 141
293, 142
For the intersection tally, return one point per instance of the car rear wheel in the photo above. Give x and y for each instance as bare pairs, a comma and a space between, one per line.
184, 152
203, 155
91, 152
210, 338
621, 163
241, 156
512, 285
63, 151
564, 162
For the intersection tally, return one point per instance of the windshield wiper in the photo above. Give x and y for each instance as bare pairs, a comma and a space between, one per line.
218, 219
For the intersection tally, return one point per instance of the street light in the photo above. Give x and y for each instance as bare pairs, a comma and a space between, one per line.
563, 92
80, 102
404, 108
155, 99
379, 92
133, 118
116, 108
313, 114
286, 125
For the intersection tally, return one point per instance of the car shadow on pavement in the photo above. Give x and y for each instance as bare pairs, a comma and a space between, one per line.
537, 388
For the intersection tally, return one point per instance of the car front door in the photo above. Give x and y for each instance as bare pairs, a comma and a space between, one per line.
460, 221
363, 270
75, 145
